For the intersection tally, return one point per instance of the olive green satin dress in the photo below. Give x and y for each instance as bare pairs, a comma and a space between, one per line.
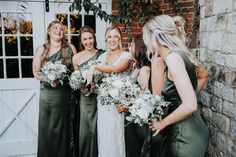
189, 137
54, 132
88, 122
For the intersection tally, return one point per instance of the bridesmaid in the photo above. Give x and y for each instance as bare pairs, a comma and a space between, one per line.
88, 104
187, 134
139, 140
54, 132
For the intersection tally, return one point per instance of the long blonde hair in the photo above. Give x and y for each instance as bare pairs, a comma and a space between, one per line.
119, 32
47, 44
167, 31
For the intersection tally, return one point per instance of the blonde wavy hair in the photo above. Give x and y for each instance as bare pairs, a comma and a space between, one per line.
47, 44
169, 32
120, 47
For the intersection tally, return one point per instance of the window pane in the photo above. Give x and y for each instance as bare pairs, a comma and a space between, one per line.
26, 65
1, 68
25, 23
10, 23
75, 42
63, 19
11, 46
75, 23
26, 46
0, 46
0, 23
12, 67
90, 20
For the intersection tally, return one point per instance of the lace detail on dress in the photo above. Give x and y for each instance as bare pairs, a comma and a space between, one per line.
110, 124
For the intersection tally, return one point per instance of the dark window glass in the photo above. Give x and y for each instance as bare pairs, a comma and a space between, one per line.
11, 46
90, 20
75, 23
62, 18
75, 42
0, 24
1, 69
0, 46
26, 68
25, 23
26, 45
12, 67
10, 23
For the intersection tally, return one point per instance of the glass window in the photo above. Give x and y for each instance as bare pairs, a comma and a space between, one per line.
26, 68
63, 19
1, 68
10, 23
26, 46
0, 46
75, 42
25, 23
11, 46
0, 23
90, 20
75, 23
12, 67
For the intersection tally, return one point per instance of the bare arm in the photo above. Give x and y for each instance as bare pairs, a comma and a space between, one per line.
185, 90
143, 77
37, 63
202, 75
157, 74
74, 51
75, 61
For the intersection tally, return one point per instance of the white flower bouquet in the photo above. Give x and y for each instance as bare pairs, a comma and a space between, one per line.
77, 78
146, 107
54, 72
118, 90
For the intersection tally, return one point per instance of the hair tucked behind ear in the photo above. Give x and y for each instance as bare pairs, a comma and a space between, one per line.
180, 25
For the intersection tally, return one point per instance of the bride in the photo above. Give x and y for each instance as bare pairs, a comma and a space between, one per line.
110, 123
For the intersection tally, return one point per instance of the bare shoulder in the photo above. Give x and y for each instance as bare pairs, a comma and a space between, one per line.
39, 50
174, 58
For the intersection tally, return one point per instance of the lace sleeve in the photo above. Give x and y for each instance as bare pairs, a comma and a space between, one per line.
126, 55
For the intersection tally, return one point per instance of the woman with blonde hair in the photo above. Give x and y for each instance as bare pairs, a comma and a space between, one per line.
110, 124
187, 134
54, 131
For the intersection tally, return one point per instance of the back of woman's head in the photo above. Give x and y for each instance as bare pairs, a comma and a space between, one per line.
89, 30
119, 35
140, 51
167, 31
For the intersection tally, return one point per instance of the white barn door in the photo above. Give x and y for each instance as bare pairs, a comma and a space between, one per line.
20, 33
22, 30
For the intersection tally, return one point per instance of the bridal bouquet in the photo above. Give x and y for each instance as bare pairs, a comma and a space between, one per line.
77, 78
145, 108
54, 72
118, 90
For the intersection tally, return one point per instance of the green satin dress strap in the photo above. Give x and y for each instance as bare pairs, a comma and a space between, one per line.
189, 137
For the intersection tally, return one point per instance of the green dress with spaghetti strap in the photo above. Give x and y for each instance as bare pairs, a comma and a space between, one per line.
54, 133
88, 121
189, 137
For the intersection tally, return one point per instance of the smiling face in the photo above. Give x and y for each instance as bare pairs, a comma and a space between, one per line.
87, 40
113, 39
56, 32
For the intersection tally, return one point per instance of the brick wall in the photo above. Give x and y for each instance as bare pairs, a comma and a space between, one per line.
166, 7
218, 53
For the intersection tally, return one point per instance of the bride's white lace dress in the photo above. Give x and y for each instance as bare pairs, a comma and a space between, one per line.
110, 124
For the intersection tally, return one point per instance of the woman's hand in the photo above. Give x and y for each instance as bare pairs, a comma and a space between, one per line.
121, 108
89, 75
157, 126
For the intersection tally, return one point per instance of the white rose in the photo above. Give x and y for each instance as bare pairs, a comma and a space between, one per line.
113, 93
128, 83
52, 76
143, 114
118, 84
84, 74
